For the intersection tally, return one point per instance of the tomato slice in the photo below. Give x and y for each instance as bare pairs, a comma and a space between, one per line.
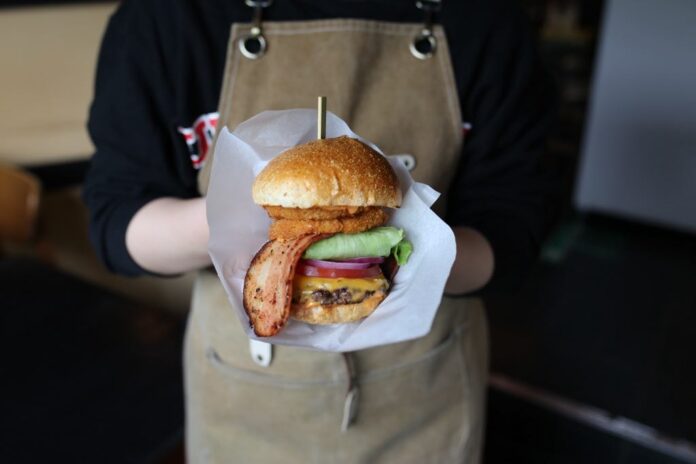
313, 271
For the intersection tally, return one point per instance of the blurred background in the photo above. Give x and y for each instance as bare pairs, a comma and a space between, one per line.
592, 359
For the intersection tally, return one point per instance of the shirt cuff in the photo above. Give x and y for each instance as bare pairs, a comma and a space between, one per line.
514, 250
109, 240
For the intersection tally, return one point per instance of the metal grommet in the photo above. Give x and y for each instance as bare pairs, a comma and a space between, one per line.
423, 45
408, 160
253, 46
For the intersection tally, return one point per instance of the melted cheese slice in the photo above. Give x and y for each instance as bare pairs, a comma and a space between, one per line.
303, 287
304, 284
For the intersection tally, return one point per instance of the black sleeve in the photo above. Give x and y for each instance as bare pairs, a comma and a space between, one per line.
131, 128
500, 189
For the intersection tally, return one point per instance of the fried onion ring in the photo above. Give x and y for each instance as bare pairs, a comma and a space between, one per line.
318, 213
289, 228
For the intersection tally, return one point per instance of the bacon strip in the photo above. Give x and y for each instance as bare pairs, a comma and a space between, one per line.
268, 283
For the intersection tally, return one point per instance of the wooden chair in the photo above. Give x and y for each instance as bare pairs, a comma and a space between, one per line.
20, 194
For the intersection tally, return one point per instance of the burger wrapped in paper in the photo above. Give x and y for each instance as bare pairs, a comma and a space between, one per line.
330, 259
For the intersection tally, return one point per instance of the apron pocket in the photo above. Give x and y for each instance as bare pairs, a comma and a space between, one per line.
271, 378
412, 410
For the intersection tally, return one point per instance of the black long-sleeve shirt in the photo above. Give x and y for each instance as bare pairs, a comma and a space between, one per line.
161, 67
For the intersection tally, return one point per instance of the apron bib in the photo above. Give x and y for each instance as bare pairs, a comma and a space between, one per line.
419, 401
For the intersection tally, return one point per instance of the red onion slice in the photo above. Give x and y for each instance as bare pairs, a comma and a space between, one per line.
335, 264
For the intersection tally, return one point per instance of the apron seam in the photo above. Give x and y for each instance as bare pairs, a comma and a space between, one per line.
336, 25
452, 93
336, 29
267, 379
233, 59
230, 65
378, 374
467, 433
364, 377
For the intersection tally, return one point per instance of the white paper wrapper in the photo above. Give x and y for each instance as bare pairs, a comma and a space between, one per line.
239, 227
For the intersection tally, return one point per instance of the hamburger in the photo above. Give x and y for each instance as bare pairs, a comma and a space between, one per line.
330, 259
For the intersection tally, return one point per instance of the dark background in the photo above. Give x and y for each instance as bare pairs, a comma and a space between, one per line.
606, 318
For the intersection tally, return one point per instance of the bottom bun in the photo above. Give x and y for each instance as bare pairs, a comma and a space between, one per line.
338, 313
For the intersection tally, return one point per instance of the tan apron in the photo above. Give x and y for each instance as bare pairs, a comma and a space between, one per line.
420, 401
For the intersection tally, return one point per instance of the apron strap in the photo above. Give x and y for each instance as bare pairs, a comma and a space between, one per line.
424, 44
253, 45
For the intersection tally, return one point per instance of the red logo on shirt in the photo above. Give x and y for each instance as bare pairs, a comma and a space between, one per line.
199, 137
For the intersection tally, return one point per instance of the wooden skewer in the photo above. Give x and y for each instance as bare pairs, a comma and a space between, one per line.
321, 118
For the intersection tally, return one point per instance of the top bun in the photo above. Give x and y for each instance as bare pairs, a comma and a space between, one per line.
329, 172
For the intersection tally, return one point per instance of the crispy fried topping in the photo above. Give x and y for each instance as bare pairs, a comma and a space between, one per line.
326, 212
289, 228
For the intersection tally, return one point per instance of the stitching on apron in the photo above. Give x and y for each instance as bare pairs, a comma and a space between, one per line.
294, 27
233, 60
272, 379
318, 27
233, 78
452, 96
267, 379
319, 30
230, 65
383, 372
466, 380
